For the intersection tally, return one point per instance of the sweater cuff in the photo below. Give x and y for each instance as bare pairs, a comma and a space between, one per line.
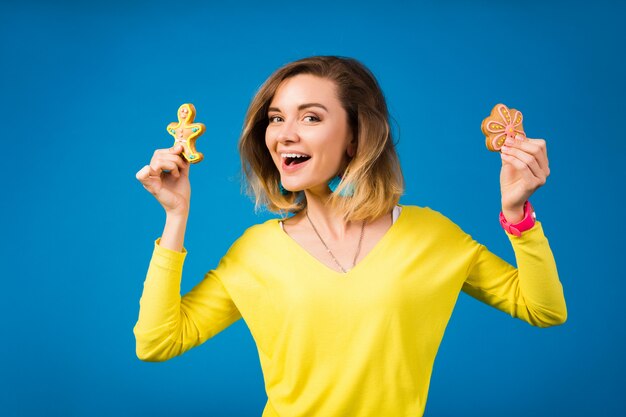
534, 233
167, 258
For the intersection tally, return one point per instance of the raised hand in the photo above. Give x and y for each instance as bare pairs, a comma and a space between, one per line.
524, 169
167, 179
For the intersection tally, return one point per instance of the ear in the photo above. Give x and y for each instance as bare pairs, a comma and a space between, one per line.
351, 150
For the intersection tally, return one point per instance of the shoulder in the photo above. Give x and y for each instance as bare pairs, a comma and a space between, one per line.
425, 216
258, 236
260, 246
429, 223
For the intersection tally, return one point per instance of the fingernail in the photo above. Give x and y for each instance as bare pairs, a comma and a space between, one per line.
509, 141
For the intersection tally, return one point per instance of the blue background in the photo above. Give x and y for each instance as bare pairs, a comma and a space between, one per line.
86, 90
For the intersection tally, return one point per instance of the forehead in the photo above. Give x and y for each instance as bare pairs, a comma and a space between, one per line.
305, 88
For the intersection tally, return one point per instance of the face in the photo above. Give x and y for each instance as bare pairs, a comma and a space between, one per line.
184, 111
308, 134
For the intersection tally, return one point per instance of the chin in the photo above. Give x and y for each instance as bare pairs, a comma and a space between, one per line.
293, 188
294, 184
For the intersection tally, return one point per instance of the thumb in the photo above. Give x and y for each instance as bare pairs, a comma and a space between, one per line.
176, 149
185, 169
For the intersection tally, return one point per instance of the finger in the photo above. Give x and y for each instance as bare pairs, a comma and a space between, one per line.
171, 154
147, 180
532, 182
159, 166
147, 173
163, 159
143, 174
181, 166
161, 153
176, 149
177, 159
170, 167
542, 155
185, 164
527, 159
541, 143
535, 147
154, 172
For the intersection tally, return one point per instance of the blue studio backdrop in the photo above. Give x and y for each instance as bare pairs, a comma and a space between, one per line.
87, 88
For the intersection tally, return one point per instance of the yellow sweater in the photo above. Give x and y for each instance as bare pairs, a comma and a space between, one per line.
358, 344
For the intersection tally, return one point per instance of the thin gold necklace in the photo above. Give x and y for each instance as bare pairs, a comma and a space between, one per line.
358, 249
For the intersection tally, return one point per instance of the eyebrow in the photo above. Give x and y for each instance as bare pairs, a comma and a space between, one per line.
301, 107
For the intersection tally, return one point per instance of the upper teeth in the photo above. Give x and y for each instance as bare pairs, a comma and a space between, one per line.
293, 155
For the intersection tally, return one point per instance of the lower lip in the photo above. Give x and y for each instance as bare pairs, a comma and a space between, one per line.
293, 167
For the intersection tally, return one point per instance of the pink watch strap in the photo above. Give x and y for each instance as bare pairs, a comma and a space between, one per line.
526, 223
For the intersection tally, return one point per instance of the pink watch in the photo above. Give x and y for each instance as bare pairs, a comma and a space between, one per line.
526, 223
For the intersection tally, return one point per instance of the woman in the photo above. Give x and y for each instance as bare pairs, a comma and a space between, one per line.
348, 298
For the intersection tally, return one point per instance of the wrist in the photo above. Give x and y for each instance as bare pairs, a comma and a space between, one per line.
173, 235
513, 215
177, 215
525, 223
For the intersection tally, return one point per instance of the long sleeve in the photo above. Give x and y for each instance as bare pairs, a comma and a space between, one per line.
531, 292
169, 324
362, 343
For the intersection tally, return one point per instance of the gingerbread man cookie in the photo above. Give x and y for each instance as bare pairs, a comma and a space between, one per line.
503, 123
186, 132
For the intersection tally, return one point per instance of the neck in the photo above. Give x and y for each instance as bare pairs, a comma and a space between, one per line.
328, 221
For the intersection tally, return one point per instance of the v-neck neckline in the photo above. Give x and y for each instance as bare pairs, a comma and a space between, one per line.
305, 254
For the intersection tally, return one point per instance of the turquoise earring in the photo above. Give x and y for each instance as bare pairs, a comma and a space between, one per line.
348, 190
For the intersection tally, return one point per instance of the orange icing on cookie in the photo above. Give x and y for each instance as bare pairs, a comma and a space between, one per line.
501, 124
186, 132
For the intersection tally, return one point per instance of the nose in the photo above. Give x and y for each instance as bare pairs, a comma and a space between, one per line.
288, 132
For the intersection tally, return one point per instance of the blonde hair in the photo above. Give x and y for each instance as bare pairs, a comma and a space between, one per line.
374, 171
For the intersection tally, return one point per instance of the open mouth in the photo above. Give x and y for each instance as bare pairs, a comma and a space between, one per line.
292, 159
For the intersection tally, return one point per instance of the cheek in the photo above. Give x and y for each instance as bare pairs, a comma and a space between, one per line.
269, 141
330, 153
270, 145
336, 145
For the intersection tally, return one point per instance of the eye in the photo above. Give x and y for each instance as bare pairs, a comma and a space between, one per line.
275, 118
311, 118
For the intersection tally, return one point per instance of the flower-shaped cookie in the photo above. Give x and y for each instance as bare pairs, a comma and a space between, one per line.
502, 123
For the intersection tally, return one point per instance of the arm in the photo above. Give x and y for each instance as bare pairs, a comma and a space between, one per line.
169, 324
532, 292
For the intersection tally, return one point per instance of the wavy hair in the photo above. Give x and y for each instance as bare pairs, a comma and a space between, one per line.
374, 171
